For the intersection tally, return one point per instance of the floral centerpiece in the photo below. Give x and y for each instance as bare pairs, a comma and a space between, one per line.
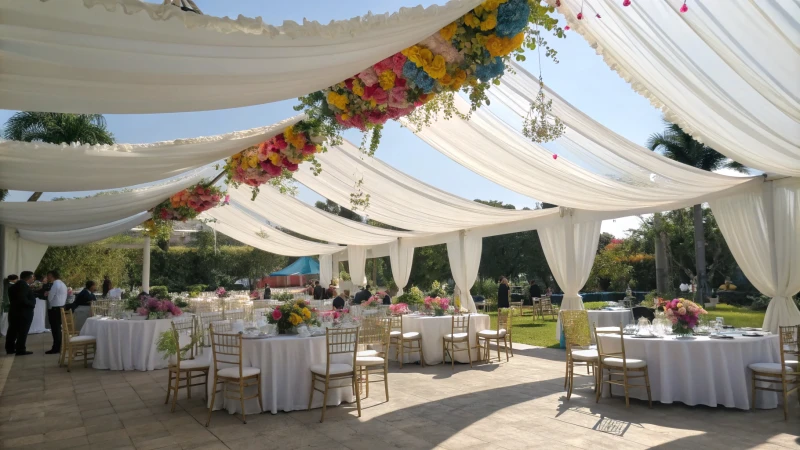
398, 309
291, 315
154, 308
221, 292
373, 302
684, 314
437, 305
255, 295
189, 203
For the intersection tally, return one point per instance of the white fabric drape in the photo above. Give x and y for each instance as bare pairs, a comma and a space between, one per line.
762, 229
357, 261
127, 56
76, 214
570, 249
725, 72
401, 256
38, 166
325, 270
84, 235
20, 254
464, 254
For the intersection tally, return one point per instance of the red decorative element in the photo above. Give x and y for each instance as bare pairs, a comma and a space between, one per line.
598, 16
558, 3
580, 16
626, 3
684, 8
555, 156
566, 28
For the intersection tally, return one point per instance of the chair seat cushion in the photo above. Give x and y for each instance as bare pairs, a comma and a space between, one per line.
395, 333
367, 353
455, 337
629, 362
492, 334
233, 372
195, 364
336, 369
81, 339
608, 330
411, 336
768, 368
369, 361
584, 355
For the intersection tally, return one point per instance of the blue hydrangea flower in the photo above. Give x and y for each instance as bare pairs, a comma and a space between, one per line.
512, 17
410, 71
492, 70
423, 81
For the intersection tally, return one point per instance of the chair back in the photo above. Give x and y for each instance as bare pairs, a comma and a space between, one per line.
185, 326
790, 349
546, 305
504, 321
100, 307
234, 315
575, 326
374, 332
204, 319
68, 324
613, 347
260, 304
459, 324
395, 323
341, 341
226, 349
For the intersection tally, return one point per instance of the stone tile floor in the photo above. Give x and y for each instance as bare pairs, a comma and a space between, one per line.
512, 405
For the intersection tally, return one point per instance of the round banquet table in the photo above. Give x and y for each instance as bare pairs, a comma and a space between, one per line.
602, 318
126, 344
700, 371
37, 326
434, 328
285, 362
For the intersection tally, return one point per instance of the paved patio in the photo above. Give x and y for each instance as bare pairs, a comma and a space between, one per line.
512, 405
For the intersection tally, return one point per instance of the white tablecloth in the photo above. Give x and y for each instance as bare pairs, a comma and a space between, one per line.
602, 319
38, 324
285, 363
701, 371
126, 344
434, 328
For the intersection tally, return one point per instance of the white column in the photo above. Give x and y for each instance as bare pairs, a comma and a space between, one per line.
146, 265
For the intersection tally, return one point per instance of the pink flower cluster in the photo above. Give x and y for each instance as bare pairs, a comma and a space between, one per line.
373, 302
255, 295
220, 292
437, 303
682, 311
398, 309
154, 305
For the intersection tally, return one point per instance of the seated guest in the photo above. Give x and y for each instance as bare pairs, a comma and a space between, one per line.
81, 307
361, 296
387, 300
339, 302
267, 292
331, 292
319, 291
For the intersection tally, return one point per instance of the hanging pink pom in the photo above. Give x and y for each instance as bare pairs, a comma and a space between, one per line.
598, 16
555, 156
580, 16
684, 8
566, 28
626, 3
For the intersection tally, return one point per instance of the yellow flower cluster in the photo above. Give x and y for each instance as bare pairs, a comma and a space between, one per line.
306, 313
386, 80
295, 319
471, 21
338, 100
456, 80
433, 65
499, 46
358, 88
296, 140
491, 5
449, 31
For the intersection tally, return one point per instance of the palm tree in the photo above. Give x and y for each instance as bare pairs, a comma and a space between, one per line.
678, 145
57, 128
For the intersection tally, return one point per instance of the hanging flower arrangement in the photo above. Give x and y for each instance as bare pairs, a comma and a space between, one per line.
189, 203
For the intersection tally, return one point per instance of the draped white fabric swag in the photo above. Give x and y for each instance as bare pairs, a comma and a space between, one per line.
725, 72
401, 256
357, 261
20, 253
119, 165
127, 56
762, 229
325, 270
85, 235
570, 249
464, 255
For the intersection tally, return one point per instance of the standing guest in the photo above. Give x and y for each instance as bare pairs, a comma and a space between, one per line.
57, 296
106, 286
81, 307
535, 290
319, 291
502, 294
330, 292
339, 302
548, 292
361, 296
114, 292
22, 301
267, 292
7, 283
309, 290
387, 299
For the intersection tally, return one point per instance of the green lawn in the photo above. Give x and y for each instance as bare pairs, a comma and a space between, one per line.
543, 333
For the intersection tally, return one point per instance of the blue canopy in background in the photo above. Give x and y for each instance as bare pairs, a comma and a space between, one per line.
303, 266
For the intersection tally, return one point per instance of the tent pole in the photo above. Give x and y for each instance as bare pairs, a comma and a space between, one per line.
146, 265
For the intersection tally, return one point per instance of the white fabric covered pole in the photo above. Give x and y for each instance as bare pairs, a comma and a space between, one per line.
20, 254
570, 249
762, 229
464, 254
357, 260
325, 270
401, 256
146, 265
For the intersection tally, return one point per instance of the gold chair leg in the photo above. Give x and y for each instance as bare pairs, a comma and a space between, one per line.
260, 404
505, 346
566, 371
189, 384
213, 399
175, 390
753, 400
600, 384
358, 398
570, 379
386, 378
241, 400
402, 345
421, 355
444, 351
785, 400
325, 398
469, 352
311, 394
625, 384
647, 383
169, 387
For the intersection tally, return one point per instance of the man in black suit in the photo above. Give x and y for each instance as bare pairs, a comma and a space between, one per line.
535, 290
23, 302
319, 291
267, 292
362, 296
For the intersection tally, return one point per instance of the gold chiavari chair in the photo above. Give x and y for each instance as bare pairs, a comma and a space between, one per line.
373, 355
575, 325
206, 318
235, 314
784, 373
226, 351
545, 306
500, 335
100, 307
73, 344
338, 341
459, 335
612, 359
186, 362
404, 342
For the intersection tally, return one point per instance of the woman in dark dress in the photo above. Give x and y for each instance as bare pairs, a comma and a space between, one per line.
502, 294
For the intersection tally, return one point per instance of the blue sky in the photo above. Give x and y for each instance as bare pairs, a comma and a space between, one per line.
581, 77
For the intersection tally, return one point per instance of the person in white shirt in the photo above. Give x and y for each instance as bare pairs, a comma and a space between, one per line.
57, 297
